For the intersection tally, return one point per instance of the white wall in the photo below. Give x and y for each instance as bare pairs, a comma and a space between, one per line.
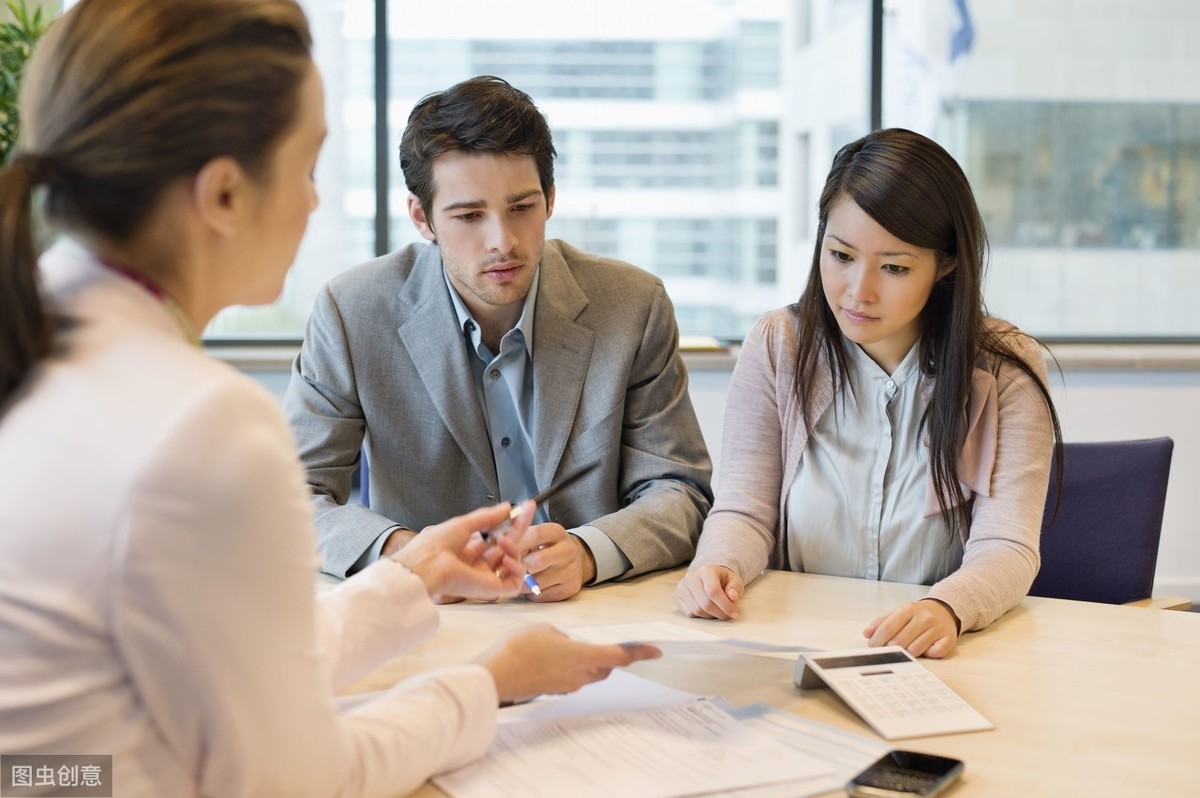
1094, 404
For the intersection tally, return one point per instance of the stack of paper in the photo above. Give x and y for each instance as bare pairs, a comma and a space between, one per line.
635, 738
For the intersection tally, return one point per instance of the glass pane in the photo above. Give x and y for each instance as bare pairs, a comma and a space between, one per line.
341, 231
827, 106
1080, 133
668, 118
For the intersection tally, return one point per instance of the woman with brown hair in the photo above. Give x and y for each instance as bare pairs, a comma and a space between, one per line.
884, 426
156, 548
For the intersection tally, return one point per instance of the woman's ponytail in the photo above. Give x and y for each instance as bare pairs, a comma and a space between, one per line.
25, 325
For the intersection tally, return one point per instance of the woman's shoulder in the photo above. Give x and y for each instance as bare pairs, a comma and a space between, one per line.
1013, 340
776, 329
774, 340
157, 392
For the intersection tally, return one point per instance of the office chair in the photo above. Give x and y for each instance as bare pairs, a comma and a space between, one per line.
1103, 544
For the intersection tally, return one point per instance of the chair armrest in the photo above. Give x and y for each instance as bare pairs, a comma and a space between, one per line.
1162, 603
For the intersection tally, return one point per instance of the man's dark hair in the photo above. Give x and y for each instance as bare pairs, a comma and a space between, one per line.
484, 114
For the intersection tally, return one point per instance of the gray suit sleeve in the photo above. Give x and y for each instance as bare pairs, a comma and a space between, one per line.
327, 419
665, 468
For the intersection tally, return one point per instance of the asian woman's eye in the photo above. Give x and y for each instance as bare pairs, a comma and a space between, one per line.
893, 268
839, 256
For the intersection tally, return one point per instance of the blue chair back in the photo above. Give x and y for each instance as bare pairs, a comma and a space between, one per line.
1103, 545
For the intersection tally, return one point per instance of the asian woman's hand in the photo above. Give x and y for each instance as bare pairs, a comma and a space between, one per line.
710, 591
925, 628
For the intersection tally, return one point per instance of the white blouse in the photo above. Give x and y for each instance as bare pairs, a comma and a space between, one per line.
857, 505
157, 564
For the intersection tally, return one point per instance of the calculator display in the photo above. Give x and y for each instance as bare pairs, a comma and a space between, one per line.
862, 660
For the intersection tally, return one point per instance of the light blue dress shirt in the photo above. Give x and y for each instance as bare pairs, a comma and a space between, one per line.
504, 386
856, 507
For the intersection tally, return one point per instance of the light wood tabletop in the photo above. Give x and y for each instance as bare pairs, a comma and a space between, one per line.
1087, 699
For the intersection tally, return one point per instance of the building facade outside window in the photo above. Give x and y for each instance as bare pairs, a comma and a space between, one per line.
694, 137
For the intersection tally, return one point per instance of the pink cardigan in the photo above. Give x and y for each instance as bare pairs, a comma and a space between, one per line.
1004, 464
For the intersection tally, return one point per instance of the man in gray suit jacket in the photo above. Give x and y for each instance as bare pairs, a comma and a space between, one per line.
489, 362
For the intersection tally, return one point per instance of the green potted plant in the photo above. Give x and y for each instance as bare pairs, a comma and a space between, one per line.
17, 37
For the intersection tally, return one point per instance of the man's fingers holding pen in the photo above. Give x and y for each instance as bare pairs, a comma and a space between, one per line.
554, 559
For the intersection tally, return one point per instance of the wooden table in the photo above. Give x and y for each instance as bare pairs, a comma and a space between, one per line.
1087, 699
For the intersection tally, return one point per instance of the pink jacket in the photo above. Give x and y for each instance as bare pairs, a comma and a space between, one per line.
1004, 465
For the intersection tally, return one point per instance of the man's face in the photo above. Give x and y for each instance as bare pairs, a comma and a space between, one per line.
489, 218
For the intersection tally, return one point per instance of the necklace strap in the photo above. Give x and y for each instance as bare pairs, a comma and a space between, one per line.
172, 307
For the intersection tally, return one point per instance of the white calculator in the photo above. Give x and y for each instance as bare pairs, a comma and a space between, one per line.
890, 690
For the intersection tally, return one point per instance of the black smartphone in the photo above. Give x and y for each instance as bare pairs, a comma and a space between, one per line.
902, 774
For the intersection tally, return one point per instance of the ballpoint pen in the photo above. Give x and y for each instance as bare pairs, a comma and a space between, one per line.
502, 528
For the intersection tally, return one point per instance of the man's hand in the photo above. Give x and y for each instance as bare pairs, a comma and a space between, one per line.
561, 563
397, 539
926, 628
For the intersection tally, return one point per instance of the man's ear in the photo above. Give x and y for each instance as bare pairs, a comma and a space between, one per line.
550, 203
219, 193
420, 220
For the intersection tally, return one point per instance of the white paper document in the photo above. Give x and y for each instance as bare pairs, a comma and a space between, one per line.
657, 631
678, 640
687, 749
620, 692
845, 752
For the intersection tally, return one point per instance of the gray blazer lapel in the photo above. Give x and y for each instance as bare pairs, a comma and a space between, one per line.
561, 355
430, 333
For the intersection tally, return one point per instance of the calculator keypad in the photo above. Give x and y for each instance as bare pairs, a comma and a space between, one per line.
896, 696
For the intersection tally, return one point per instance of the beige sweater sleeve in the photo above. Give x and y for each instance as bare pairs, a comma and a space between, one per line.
741, 529
1001, 559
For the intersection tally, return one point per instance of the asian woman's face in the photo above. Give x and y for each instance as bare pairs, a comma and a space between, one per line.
875, 284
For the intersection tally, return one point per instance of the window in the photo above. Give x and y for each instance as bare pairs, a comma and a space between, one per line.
666, 118
340, 232
1081, 137
694, 137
